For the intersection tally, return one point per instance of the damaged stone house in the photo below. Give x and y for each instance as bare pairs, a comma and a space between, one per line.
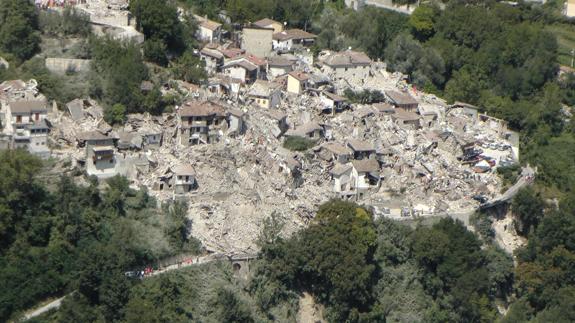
201, 122
278, 66
269, 23
100, 153
213, 59
287, 40
402, 100
208, 30
361, 149
346, 64
297, 82
26, 125
184, 179
265, 94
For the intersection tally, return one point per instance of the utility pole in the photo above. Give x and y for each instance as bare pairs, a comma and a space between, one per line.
572, 56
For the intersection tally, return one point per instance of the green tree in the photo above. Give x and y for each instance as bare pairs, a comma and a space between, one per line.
115, 114
18, 28
528, 207
159, 21
422, 22
189, 68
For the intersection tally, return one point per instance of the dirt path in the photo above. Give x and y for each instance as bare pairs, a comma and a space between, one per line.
309, 311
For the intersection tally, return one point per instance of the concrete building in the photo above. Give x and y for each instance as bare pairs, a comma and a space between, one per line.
265, 94
331, 103
26, 124
406, 119
241, 69
184, 179
365, 176
247, 68
338, 152
402, 100
213, 59
100, 154
341, 176
278, 66
297, 82
208, 30
290, 39
236, 122
569, 10
310, 130
346, 64
257, 41
201, 122
269, 23
361, 149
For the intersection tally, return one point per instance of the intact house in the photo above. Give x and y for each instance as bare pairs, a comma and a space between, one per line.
257, 40
100, 155
297, 82
402, 100
269, 23
346, 64
361, 149
213, 59
290, 39
310, 130
265, 94
208, 30
28, 126
201, 122
332, 103
278, 66
184, 179
406, 119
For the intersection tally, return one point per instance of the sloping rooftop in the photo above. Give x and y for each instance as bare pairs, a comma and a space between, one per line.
384, 107
76, 109
347, 58
337, 148
334, 97
201, 109
92, 135
19, 107
207, 23
266, 22
184, 170
360, 145
366, 165
300, 76
306, 129
293, 34
400, 98
243, 63
340, 169
278, 61
262, 88
212, 53
404, 115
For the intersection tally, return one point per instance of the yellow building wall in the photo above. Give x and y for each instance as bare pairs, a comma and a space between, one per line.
293, 85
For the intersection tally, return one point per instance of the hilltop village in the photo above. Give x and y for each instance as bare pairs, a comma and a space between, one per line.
273, 130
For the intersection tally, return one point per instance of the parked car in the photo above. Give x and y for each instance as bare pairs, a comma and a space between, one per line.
480, 198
